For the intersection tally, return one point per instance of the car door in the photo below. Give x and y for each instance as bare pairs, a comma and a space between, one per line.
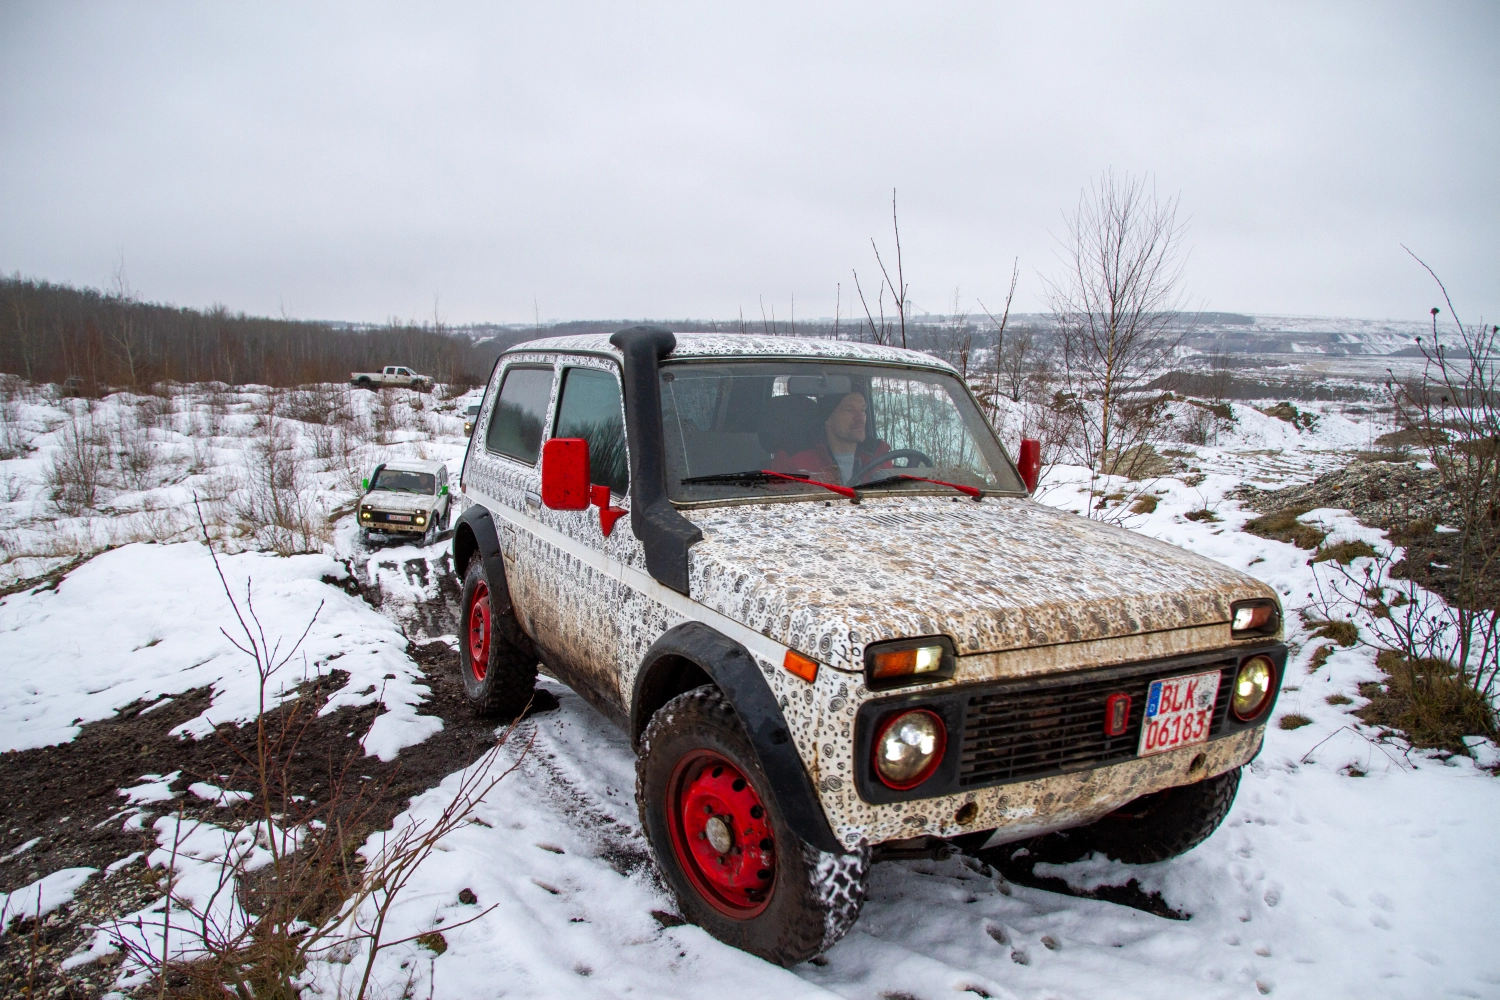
578, 617
504, 474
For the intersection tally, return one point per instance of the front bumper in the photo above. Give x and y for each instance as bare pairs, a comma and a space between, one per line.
379, 523
1031, 808
1030, 756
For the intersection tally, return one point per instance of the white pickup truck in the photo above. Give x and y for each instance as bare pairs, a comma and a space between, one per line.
395, 375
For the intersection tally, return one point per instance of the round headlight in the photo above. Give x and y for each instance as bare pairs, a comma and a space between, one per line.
908, 748
1252, 687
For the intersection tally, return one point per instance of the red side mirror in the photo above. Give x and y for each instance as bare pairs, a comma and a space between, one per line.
1030, 464
565, 474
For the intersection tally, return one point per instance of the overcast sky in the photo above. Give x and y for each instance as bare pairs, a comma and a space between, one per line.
628, 160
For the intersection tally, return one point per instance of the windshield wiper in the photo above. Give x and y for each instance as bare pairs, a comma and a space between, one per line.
969, 491
766, 475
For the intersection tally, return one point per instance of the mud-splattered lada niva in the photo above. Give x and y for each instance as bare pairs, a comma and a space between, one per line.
809, 582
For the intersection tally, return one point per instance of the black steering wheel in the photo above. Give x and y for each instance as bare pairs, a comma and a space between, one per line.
879, 460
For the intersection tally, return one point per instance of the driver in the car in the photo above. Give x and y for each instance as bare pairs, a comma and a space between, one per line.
843, 450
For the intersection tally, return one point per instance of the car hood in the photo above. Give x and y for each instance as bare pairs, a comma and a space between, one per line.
388, 500
1007, 573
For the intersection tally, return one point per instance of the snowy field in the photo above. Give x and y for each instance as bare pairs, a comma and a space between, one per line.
1346, 867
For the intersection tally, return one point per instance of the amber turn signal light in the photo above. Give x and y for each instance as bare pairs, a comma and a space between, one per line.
900, 662
800, 666
1248, 618
909, 661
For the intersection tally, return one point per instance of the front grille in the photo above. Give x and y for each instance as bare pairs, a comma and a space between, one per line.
1040, 728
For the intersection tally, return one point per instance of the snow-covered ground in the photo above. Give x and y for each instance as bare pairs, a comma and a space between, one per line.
1346, 867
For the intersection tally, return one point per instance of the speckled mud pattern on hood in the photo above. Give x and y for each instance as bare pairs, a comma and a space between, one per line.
830, 578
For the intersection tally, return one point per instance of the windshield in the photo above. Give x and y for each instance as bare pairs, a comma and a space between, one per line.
876, 427
405, 482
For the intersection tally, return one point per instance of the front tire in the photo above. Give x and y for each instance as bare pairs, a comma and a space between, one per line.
499, 676
1164, 824
735, 866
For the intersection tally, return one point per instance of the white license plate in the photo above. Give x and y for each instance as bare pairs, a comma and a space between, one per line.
398, 517
1179, 712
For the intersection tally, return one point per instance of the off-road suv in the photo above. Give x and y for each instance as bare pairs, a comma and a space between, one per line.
834, 624
405, 500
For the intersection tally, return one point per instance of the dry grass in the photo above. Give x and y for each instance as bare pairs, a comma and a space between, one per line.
1202, 515
1294, 720
1343, 553
1283, 526
1428, 701
1344, 633
1320, 656
1144, 504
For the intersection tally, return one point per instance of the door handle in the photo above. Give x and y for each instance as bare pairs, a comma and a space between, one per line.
533, 499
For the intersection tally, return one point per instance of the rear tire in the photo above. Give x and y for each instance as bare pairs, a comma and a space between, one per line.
1163, 824
741, 874
499, 676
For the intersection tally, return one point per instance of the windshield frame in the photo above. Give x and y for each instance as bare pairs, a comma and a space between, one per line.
375, 486
914, 489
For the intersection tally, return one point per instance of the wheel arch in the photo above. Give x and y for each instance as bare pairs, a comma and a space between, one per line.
474, 536
693, 654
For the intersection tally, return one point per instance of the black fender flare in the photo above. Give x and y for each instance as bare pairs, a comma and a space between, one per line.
475, 533
734, 671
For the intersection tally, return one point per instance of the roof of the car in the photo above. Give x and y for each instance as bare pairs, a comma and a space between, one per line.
726, 345
413, 465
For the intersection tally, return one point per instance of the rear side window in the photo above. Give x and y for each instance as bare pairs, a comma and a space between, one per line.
590, 408
520, 414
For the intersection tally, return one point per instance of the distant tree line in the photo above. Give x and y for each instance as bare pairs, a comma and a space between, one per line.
51, 333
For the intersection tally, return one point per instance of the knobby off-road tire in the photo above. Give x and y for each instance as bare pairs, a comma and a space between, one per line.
695, 759
1163, 824
499, 675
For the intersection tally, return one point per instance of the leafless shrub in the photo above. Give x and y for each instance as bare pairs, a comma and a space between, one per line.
1436, 653
14, 440
76, 472
1453, 414
385, 416
272, 502
138, 457
216, 410
323, 405
318, 904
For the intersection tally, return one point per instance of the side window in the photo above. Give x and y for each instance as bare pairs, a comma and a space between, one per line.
590, 408
520, 414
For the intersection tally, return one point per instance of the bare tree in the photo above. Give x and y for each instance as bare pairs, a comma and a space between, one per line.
124, 332
955, 337
1220, 378
1013, 363
1115, 307
884, 332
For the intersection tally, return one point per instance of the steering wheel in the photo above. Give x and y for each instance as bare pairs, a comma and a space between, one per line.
907, 453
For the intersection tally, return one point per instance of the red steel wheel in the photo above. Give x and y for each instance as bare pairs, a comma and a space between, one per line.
479, 631
721, 834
